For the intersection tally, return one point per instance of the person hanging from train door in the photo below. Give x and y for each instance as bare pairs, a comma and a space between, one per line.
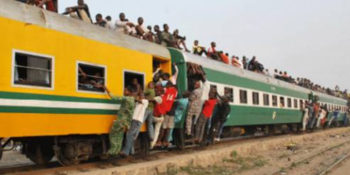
315, 115
158, 113
168, 122
181, 107
322, 116
195, 107
221, 115
205, 115
123, 121
334, 118
305, 115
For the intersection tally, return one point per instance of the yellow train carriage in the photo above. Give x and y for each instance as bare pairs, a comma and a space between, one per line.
47, 65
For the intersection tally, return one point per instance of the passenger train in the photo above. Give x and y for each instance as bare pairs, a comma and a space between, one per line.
46, 106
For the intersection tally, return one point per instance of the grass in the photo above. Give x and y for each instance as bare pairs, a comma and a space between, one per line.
234, 164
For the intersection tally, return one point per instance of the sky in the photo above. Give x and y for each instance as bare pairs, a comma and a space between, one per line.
306, 38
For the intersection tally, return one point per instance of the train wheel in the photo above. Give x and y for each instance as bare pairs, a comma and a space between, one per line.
38, 152
179, 138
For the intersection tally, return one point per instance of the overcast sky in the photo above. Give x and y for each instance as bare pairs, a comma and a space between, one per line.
306, 38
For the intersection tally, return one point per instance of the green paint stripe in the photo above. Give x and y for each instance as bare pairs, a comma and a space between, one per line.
26, 96
11, 109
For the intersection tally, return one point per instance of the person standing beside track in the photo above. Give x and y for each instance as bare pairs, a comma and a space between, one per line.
122, 123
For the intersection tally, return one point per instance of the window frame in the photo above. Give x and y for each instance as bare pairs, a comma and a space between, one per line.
295, 103
232, 99
257, 102
289, 102
266, 96
13, 84
273, 104
134, 72
284, 102
240, 96
77, 76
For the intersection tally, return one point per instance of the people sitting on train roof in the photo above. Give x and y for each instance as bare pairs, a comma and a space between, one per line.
167, 39
180, 40
142, 31
212, 53
235, 62
255, 66
151, 35
123, 25
109, 23
245, 62
100, 21
157, 35
81, 10
197, 49
45, 4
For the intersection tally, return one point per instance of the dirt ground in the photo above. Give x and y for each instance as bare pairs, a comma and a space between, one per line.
310, 157
310, 153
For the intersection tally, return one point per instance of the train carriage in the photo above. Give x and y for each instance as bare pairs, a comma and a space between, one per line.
48, 106
258, 102
43, 95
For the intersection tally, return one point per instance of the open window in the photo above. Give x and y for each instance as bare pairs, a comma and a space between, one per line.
229, 93
301, 104
243, 96
32, 70
91, 78
289, 102
266, 100
282, 103
134, 80
295, 103
255, 98
274, 101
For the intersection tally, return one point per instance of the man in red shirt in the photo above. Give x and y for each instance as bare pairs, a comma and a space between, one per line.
206, 114
158, 113
168, 102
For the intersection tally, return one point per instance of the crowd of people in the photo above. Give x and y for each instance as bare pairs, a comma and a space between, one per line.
315, 116
166, 38
160, 107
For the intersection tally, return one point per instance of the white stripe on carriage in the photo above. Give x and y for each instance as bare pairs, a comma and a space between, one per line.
58, 104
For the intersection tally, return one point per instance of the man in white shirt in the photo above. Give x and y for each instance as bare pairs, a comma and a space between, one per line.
123, 25
136, 123
109, 23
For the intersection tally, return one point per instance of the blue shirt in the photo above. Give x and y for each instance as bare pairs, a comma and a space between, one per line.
181, 108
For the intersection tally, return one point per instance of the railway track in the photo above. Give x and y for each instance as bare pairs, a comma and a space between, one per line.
102, 164
54, 166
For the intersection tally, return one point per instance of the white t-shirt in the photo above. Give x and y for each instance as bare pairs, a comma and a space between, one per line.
109, 25
140, 110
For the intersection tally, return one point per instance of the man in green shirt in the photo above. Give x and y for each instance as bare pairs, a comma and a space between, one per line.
123, 121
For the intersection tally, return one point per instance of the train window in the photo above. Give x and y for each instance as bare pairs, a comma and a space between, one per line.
229, 92
91, 77
32, 70
274, 100
243, 96
301, 104
289, 102
282, 104
266, 99
255, 98
131, 77
295, 103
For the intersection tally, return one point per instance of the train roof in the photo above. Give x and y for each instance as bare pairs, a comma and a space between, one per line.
32, 15
215, 65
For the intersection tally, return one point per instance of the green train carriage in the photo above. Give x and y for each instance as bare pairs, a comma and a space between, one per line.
258, 101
